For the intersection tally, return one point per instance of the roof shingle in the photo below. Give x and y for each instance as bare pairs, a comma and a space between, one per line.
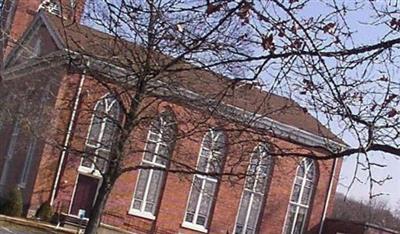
83, 39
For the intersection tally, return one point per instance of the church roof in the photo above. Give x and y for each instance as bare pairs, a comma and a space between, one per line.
97, 44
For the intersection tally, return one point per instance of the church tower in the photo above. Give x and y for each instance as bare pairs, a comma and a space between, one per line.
17, 15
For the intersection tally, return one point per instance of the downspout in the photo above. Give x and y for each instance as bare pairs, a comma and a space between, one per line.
329, 192
67, 138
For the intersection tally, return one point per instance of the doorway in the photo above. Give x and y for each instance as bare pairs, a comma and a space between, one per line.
84, 195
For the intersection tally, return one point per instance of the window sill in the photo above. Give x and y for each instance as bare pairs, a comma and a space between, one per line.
142, 214
77, 217
195, 227
89, 171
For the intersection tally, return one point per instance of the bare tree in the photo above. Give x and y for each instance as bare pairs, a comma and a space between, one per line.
158, 43
271, 45
375, 211
150, 48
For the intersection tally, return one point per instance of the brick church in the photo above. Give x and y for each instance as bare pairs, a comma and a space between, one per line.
54, 112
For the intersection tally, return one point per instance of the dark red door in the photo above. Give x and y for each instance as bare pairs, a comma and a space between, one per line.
85, 193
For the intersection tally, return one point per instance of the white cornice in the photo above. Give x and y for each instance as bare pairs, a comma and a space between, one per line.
52, 60
232, 112
262, 122
228, 111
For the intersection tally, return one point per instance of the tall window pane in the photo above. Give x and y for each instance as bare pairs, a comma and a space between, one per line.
156, 155
299, 203
101, 134
203, 188
258, 173
10, 151
28, 161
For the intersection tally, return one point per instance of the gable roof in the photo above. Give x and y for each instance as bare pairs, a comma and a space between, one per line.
26, 39
79, 38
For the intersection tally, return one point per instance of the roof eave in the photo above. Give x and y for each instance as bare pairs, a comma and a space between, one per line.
257, 120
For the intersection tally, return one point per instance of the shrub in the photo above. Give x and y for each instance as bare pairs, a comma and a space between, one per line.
44, 212
14, 204
2, 203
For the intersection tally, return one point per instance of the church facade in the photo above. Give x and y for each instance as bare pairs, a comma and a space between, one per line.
52, 122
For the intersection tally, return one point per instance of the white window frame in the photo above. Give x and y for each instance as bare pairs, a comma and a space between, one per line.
215, 134
98, 146
28, 162
297, 204
53, 6
159, 142
264, 157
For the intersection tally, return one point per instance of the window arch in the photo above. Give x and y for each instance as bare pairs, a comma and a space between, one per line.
257, 178
54, 6
72, 3
101, 134
300, 199
203, 186
160, 139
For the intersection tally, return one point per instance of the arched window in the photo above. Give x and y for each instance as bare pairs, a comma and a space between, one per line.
53, 6
203, 187
257, 177
102, 131
72, 3
160, 140
299, 203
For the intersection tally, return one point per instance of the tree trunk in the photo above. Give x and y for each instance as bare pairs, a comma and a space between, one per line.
98, 208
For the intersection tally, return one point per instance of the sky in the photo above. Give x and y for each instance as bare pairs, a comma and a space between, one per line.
361, 190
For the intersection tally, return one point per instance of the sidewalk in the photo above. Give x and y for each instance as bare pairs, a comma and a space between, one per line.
22, 226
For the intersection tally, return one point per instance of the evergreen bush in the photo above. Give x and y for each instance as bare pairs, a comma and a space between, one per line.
44, 212
13, 206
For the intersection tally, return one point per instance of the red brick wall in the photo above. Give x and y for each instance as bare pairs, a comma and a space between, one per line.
51, 151
334, 226
25, 13
21, 19
27, 92
177, 186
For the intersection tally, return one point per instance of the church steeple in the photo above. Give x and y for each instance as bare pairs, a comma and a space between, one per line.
70, 9
18, 14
